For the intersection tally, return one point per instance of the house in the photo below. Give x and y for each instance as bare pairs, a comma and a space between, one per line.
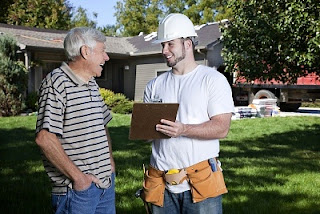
134, 61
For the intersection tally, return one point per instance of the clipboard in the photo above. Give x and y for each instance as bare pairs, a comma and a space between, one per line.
145, 117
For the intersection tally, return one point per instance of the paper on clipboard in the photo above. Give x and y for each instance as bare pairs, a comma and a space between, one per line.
145, 117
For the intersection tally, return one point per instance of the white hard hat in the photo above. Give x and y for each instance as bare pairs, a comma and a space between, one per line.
174, 26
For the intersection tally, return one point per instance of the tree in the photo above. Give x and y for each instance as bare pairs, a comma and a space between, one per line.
135, 16
132, 16
5, 4
13, 77
273, 39
81, 19
109, 30
51, 14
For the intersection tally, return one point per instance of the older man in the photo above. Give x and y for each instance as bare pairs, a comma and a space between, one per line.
71, 128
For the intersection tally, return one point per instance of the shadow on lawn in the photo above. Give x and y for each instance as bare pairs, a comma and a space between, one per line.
26, 189
129, 168
274, 158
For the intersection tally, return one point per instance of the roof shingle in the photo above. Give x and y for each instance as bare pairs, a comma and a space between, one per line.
136, 45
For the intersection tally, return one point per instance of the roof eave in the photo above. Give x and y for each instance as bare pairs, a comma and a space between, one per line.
148, 53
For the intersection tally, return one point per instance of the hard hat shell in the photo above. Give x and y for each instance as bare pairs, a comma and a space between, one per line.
173, 26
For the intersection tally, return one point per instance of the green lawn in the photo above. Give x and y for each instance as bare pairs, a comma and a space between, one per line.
271, 165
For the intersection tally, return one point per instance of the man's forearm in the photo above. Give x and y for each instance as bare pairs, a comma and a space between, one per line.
113, 165
52, 149
109, 140
216, 128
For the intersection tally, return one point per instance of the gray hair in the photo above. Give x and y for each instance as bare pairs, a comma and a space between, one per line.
79, 36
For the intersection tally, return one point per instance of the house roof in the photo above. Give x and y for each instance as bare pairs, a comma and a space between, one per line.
35, 37
207, 34
133, 46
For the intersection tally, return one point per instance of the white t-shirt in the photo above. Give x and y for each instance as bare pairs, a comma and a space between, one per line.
201, 93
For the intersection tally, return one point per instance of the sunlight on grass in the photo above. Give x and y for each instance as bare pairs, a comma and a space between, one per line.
271, 165
33, 167
6, 171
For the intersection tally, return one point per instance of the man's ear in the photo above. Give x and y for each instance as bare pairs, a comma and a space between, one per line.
84, 51
188, 43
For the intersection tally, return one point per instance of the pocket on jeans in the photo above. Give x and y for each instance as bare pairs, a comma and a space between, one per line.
84, 191
55, 201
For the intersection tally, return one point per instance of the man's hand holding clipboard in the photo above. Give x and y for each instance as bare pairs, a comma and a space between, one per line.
148, 120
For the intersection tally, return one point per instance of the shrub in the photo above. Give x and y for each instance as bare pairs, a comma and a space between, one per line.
13, 78
123, 107
32, 101
106, 94
117, 102
116, 99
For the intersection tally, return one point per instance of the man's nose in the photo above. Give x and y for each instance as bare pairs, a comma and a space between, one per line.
164, 49
106, 57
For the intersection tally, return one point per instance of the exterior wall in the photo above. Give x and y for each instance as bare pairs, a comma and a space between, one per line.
50, 56
130, 80
105, 81
145, 73
148, 68
119, 76
45, 62
214, 55
127, 75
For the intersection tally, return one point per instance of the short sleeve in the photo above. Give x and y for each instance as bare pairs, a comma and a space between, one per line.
107, 116
148, 92
51, 109
220, 96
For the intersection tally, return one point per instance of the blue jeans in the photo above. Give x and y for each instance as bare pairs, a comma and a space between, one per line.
181, 203
90, 201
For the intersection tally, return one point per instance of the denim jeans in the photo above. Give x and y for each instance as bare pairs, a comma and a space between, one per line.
90, 201
181, 203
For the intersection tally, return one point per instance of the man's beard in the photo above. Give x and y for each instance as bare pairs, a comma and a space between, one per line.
180, 58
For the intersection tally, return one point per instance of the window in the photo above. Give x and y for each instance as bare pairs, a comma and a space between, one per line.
159, 72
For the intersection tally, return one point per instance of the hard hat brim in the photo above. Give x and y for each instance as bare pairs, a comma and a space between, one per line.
159, 41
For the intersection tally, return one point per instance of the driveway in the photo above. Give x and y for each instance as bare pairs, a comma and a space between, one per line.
303, 111
247, 112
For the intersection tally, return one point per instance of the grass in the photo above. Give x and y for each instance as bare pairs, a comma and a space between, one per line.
271, 165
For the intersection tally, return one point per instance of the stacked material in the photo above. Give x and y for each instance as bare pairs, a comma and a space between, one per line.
258, 108
244, 112
266, 107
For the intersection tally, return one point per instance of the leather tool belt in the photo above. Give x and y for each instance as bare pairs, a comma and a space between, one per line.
203, 181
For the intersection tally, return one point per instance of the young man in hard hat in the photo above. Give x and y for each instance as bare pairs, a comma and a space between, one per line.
186, 163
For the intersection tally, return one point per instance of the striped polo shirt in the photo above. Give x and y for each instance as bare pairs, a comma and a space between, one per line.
76, 113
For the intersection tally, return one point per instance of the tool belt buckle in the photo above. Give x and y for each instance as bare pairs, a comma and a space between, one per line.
175, 176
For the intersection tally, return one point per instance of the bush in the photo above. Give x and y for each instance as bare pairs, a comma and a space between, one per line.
124, 107
13, 78
32, 101
118, 102
106, 94
116, 99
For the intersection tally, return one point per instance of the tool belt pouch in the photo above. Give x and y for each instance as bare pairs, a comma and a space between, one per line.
153, 187
205, 184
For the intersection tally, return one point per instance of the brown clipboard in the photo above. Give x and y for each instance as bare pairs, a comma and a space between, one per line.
145, 117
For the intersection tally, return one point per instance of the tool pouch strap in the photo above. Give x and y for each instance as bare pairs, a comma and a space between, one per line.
204, 182
153, 186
